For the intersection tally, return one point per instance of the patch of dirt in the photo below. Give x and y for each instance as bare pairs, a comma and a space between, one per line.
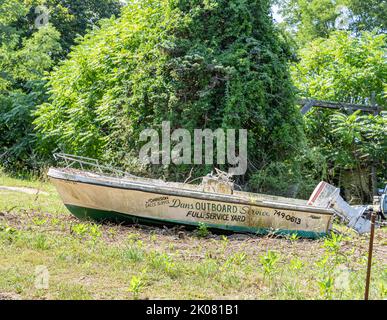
9, 296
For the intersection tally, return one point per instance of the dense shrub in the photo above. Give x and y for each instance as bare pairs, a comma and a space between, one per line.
351, 69
29, 49
212, 64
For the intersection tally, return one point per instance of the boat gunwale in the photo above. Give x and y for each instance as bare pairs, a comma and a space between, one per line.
58, 173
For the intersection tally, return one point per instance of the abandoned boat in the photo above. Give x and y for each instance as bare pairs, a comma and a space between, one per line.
214, 202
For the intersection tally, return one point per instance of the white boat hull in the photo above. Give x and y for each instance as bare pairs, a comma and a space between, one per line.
104, 198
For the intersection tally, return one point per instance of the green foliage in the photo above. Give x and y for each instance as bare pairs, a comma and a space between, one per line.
134, 252
269, 262
202, 230
40, 242
347, 69
238, 258
307, 19
91, 231
329, 267
343, 68
296, 264
310, 19
80, 229
23, 62
326, 287
363, 137
136, 285
196, 63
163, 262
333, 243
26, 54
293, 178
293, 237
8, 233
72, 18
369, 15
207, 268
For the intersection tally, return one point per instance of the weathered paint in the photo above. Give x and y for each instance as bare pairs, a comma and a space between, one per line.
107, 202
117, 217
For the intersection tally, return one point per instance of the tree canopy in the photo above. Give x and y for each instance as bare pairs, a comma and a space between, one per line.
352, 69
27, 51
343, 68
311, 19
212, 64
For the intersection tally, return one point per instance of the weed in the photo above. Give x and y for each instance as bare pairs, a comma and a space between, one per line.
40, 242
225, 241
55, 221
296, 264
383, 290
136, 285
156, 259
202, 230
8, 233
238, 258
163, 262
70, 291
133, 237
333, 243
95, 231
84, 230
230, 279
269, 262
207, 268
39, 222
293, 237
383, 284
171, 269
134, 252
153, 237
326, 287
80, 229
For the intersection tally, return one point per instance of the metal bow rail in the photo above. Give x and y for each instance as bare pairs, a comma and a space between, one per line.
71, 160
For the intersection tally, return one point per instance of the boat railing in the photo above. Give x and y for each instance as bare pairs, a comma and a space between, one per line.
72, 160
